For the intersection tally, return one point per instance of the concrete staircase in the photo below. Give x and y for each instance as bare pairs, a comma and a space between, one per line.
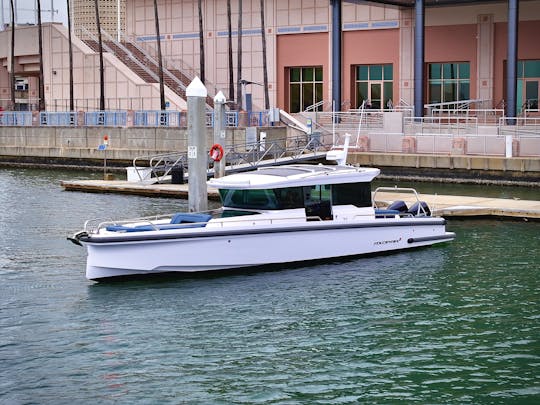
145, 66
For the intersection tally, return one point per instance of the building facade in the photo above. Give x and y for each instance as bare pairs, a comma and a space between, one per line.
465, 49
364, 51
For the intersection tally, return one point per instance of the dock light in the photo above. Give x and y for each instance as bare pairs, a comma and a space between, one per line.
106, 139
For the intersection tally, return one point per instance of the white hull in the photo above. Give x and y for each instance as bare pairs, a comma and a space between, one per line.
203, 249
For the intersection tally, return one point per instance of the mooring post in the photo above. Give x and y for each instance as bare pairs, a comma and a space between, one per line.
197, 151
219, 132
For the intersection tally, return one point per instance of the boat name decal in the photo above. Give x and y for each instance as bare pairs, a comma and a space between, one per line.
386, 242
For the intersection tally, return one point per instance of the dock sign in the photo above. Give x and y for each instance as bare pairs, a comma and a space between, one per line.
102, 147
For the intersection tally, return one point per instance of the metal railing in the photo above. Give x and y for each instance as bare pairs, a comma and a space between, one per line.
160, 165
108, 49
444, 124
58, 119
106, 118
157, 119
153, 61
181, 66
16, 118
485, 115
457, 105
238, 156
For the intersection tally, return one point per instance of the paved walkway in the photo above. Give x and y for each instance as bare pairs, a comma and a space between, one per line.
444, 205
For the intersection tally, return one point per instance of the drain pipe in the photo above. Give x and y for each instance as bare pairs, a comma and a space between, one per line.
419, 58
511, 64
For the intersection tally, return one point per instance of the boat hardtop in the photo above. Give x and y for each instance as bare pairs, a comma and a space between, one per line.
294, 176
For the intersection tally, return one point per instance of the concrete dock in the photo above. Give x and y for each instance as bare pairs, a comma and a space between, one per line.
444, 205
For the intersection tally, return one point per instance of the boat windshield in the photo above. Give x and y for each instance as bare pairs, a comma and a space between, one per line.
358, 194
266, 199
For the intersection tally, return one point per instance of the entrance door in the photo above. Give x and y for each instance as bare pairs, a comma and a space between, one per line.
531, 94
375, 95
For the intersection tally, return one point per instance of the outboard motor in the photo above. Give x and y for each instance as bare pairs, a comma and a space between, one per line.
420, 209
398, 206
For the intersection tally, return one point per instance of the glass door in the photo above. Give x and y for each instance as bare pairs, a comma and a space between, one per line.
531, 94
375, 95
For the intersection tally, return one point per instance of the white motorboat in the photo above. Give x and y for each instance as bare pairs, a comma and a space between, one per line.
272, 215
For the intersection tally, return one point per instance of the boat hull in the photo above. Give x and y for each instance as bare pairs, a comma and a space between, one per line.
208, 249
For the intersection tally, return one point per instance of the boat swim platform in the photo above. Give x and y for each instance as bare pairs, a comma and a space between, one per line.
441, 205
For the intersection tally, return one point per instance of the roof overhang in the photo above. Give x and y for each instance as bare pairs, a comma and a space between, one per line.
427, 3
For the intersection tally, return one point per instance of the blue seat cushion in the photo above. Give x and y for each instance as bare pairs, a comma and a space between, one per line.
183, 218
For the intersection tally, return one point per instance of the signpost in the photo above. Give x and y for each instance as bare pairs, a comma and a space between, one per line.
103, 147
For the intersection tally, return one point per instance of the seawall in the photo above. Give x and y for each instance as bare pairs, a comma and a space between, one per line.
78, 148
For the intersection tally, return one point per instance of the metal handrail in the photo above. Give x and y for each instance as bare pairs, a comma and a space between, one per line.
400, 190
150, 58
108, 49
162, 163
148, 48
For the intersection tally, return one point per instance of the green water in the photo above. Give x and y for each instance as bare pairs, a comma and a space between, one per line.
458, 323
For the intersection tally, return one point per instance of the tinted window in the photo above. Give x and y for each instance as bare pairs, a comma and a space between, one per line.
358, 194
255, 199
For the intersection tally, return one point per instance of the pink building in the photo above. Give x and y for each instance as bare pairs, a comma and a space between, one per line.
319, 52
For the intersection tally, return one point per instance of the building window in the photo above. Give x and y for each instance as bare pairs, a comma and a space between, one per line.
374, 85
528, 79
305, 88
448, 82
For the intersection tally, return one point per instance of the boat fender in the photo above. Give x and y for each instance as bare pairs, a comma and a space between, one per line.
216, 152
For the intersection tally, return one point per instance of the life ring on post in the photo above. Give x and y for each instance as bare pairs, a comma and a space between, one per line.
216, 152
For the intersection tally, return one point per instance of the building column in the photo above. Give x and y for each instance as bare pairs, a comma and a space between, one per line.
511, 63
336, 54
419, 58
406, 60
485, 47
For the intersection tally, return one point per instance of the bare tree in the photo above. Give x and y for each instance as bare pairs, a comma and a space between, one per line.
160, 59
239, 55
231, 67
201, 42
12, 75
40, 50
101, 69
70, 45
265, 66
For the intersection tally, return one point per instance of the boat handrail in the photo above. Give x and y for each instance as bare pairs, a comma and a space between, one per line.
94, 225
421, 208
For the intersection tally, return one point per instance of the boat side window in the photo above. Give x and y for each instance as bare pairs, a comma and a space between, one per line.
254, 199
290, 197
358, 194
318, 202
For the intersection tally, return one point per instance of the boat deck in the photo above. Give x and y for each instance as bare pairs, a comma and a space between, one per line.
444, 205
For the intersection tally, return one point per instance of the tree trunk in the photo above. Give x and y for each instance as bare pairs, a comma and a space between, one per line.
239, 56
12, 75
201, 42
71, 99
265, 66
230, 51
101, 69
160, 59
40, 50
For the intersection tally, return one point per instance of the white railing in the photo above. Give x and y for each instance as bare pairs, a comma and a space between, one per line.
445, 124
485, 115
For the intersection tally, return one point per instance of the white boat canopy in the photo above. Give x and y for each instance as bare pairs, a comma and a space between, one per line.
295, 176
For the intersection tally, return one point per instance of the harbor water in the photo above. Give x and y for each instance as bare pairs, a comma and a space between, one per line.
455, 323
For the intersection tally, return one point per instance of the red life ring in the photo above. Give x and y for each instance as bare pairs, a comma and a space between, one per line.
216, 152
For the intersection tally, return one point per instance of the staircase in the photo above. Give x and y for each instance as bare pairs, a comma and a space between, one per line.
174, 77
144, 65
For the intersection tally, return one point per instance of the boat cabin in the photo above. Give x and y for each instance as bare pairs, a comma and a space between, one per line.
315, 188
